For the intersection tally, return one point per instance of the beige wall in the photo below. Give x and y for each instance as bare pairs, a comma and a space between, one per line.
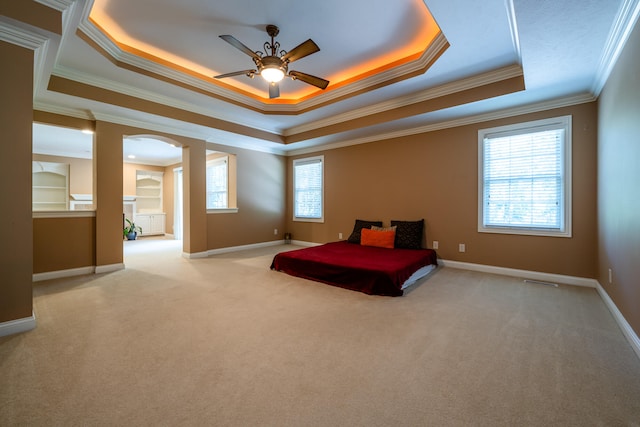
435, 176
16, 245
63, 243
618, 178
260, 181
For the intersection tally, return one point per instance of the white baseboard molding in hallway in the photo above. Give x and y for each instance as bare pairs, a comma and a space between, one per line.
18, 326
48, 275
81, 271
626, 328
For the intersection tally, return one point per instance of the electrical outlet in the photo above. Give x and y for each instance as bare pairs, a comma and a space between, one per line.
610, 276
340, 236
435, 244
275, 231
462, 247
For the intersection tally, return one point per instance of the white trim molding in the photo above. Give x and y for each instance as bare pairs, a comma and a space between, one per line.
109, 268
195, 255
58, 274
626, 329
525, 274
18, 326
244, 247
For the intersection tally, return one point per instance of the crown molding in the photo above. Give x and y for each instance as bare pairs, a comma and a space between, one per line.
513, 29
15, 33
239, 142
463, 121
59, 5
111, 48
88, 79
63, 111
620, 30
435, 49
413, 98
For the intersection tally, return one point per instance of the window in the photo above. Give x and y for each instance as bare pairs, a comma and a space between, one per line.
525, 178
217, 183
308, 182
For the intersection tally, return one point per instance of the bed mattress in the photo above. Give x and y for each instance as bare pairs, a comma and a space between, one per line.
368, 269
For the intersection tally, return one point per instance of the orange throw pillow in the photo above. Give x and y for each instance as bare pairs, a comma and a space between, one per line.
381, 239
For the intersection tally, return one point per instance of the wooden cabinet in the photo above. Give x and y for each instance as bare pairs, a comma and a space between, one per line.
50, 186
151, 224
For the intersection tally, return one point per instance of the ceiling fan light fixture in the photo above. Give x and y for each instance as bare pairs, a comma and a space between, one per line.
272, 74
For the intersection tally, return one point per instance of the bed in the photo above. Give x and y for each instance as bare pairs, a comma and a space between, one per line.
369, 269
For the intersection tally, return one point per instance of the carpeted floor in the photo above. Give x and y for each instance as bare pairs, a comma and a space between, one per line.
224, 341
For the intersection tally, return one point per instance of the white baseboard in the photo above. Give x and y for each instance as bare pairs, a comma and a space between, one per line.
244, 247
48, 275
626, 328
525, 274
109, 268
18, 326
195, 255
303, 243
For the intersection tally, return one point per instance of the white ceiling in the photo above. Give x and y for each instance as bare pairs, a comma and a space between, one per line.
563, 48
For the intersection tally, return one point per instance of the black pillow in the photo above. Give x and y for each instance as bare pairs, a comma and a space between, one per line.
408, 234
359, 225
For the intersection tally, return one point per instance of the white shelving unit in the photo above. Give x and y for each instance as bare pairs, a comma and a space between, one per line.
149, 214
50, 186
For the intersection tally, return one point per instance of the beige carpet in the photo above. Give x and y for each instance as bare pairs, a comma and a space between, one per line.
224, 341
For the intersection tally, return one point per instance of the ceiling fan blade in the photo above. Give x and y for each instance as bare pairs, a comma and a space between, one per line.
309, 79
300, 51
238, 45
236, 73
274, 90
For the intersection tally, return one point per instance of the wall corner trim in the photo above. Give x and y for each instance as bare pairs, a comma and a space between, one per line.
625, 327
18, 326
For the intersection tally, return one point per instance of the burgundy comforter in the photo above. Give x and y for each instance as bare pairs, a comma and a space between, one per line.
372, 270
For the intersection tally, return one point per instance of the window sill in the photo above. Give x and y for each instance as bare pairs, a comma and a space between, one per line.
222, 211
525, 231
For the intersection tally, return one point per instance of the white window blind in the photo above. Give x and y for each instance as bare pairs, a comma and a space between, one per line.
308, 188
524, 181
217, 183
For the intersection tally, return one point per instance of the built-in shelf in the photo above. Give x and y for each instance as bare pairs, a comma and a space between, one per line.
50, 186
149, 213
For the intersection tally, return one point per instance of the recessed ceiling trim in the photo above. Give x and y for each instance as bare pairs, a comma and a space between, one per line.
414, 98
360, 84
208, 86
173, 130
468, 120
63, 111
59, 5
623, 24
135, 91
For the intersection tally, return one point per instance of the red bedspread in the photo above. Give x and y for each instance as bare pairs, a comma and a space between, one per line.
372, 270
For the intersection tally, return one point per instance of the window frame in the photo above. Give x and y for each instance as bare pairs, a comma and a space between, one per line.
225, 160
563, 123
307, 160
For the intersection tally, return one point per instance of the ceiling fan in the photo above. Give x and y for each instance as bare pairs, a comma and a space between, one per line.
273, 65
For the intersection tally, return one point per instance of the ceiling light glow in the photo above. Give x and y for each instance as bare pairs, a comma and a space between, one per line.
272, 74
